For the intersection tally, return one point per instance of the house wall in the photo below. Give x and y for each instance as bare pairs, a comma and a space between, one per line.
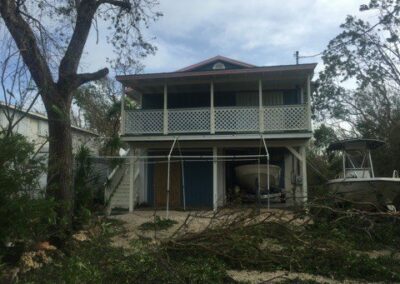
36, 131
222, 98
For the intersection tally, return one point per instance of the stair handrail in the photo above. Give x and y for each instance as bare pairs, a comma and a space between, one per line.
110, 186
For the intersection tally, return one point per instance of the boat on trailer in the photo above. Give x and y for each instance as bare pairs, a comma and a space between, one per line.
357, 183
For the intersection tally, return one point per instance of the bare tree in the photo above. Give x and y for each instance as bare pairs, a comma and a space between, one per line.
50, 36
17, 90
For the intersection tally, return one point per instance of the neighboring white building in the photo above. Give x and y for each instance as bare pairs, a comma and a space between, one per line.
34, 127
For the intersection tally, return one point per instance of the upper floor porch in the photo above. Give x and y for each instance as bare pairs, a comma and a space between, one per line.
219, 103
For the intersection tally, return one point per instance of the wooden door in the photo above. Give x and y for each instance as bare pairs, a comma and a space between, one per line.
160, 185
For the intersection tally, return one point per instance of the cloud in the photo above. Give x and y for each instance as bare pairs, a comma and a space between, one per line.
258, 31
261, 32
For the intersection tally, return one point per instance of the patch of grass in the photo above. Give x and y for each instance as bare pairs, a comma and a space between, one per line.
158, 224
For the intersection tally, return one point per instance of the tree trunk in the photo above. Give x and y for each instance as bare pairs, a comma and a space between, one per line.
60, 164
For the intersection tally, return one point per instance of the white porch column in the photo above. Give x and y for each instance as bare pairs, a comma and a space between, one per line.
309, 102
215, 178
304, 172
165, 109
123, 111
212, 109
131, 181
260, 107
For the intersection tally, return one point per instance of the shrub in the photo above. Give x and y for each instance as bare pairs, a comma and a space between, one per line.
85, 186
24, 216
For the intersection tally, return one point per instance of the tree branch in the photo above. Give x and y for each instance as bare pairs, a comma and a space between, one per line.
70, 62
27, 45
124, 4
87, 77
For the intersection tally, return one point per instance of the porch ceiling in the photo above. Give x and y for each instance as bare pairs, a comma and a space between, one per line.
227, 141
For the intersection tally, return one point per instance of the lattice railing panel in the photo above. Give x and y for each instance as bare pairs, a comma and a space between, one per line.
236, 119
144, 121
284, 118
189, 120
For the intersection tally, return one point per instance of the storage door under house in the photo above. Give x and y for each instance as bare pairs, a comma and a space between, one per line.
198, 184
160, 185
198, 179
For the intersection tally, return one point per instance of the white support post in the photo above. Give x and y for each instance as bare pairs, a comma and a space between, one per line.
309, 103
131, 181
215, 178
304, 173
212, 109
165, 109
123, 111
260, 107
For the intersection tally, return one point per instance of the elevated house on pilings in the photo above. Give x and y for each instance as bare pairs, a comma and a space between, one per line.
194, 126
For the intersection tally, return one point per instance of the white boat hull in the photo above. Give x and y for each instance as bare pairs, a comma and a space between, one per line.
247, 176
367, 192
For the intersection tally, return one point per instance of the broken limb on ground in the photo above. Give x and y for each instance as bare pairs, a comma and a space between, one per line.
320, 244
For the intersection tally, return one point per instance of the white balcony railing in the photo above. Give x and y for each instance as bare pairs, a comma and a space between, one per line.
226, 119
189, 120
236, 119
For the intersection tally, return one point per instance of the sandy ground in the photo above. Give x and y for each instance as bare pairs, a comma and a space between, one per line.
194, 221
135, 219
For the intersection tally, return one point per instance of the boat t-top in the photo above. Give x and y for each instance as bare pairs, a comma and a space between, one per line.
357, 183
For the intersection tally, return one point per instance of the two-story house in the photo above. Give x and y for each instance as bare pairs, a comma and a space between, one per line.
193, 127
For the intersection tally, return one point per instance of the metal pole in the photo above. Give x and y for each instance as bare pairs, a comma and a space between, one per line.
267, 156
131, 181
169, 175
370, 163
183, 185
183, 177
259, 188
344, 164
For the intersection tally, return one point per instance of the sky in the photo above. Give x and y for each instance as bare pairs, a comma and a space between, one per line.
260, 32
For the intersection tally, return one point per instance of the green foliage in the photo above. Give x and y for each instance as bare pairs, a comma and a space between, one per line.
365, 54
23, 217
96, 261
321, 165
100, 103
158, 224
323, 136
85, 186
